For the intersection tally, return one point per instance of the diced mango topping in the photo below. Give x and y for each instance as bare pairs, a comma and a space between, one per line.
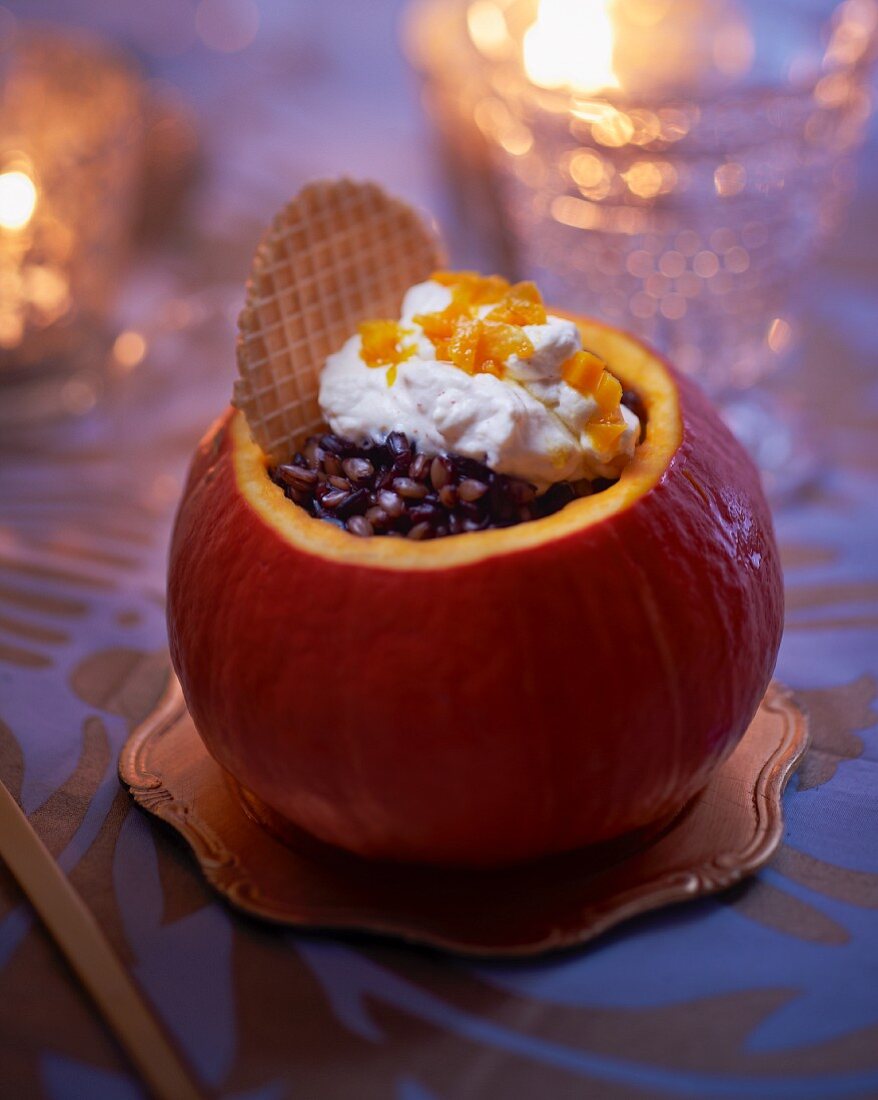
520, 305
463, 345
470, 289
440, 327
502, 341
482, 344
608, 394
604, 433
381, 344
586, 373
583, 371
482, 347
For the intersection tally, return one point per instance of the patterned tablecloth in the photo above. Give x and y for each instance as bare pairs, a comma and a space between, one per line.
769, 990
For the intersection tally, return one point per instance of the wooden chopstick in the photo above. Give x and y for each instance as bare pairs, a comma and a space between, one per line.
88, 951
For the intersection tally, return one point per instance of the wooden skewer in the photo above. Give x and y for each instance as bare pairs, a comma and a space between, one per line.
88, 951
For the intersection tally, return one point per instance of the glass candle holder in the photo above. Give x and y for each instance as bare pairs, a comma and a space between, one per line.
670, 166
70, 163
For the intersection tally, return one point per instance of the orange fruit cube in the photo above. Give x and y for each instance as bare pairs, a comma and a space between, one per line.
583, 371
464, 345
608, 393
520, 305
604, 433
499, 341
381, 343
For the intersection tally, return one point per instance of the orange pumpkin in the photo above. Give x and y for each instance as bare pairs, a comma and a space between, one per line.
494, 696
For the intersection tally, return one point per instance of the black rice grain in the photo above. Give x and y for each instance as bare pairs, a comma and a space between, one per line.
390, 489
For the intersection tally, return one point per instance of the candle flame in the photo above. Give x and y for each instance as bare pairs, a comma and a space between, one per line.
570, 45
18, 199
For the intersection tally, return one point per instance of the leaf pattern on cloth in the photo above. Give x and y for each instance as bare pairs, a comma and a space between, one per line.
837, 715
767, 993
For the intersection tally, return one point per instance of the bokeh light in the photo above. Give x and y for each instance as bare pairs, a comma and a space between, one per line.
18, 199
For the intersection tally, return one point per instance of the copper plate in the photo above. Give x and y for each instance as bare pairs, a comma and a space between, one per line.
731, 828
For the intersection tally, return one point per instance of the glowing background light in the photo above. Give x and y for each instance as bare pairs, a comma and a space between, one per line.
487, 27
129, 350
18, 199
570, 45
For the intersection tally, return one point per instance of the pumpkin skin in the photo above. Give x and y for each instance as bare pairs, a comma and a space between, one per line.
490, 697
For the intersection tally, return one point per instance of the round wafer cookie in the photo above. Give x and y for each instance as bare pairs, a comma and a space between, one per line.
338, 254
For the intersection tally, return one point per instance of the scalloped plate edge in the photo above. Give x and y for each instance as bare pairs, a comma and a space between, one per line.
229, 873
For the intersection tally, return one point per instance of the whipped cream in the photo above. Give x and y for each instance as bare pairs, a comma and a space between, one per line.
529, 424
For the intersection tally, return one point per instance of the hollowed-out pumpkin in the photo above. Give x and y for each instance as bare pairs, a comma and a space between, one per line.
493, 696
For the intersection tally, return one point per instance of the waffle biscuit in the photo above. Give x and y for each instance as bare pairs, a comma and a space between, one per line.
338, 254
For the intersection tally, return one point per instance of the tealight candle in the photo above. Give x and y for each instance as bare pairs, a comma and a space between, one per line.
70, 164
668, 167
18, 199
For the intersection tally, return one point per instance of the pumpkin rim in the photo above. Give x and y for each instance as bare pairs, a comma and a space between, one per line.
631, 361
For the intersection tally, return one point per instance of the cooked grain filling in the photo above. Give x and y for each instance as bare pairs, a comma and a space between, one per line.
391, 489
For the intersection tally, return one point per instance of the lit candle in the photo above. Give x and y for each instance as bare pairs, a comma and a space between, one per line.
570, 45
665, 165
70, 148
18, 199
638, 47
